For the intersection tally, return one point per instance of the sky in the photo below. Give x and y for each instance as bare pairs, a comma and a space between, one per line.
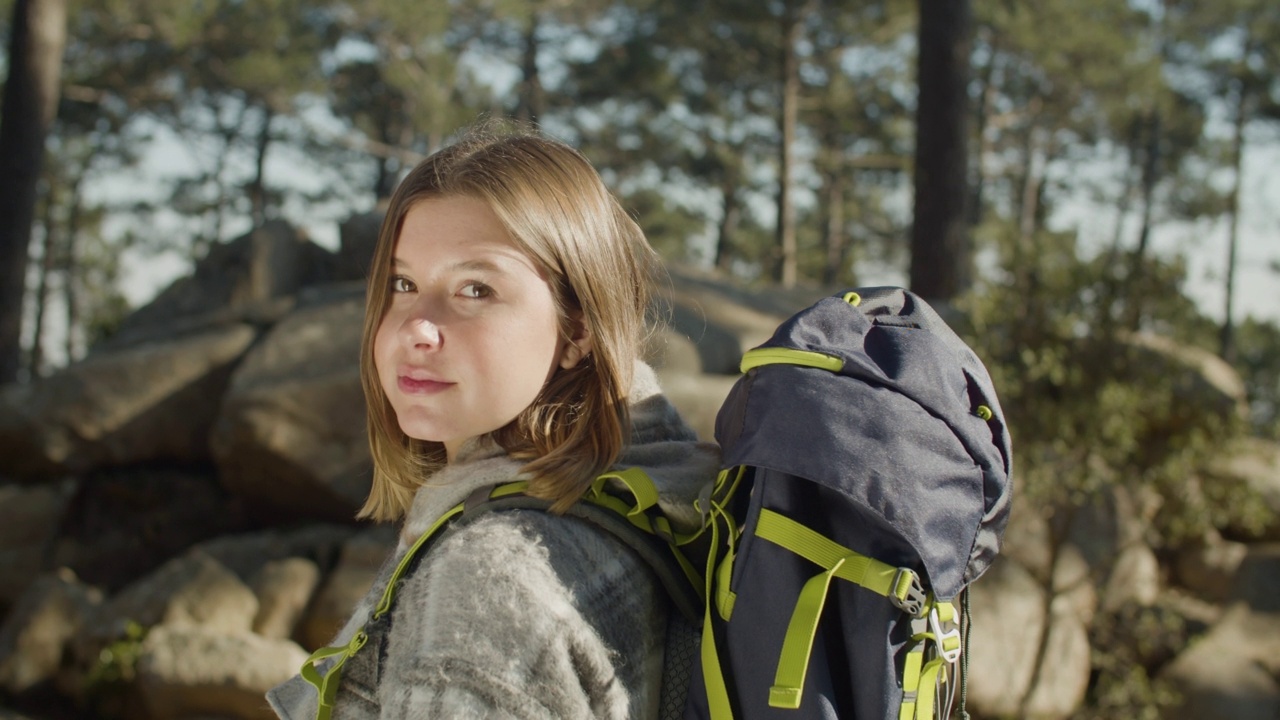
1204, 245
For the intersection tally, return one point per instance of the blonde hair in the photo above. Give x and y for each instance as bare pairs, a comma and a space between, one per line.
599, 268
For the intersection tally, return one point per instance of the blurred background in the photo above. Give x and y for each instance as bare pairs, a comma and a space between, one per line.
189, 192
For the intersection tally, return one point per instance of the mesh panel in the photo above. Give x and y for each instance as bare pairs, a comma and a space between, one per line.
683, 649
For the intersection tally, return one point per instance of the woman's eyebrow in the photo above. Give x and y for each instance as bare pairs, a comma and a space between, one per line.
472, 265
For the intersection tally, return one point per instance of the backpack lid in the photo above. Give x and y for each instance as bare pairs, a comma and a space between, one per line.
908, 428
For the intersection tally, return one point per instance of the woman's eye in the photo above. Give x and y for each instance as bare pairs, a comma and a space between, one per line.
401, 284
475, 290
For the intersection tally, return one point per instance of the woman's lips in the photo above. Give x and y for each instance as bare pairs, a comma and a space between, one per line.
412, 386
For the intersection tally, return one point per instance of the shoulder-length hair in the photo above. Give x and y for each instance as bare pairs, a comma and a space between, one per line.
599, 268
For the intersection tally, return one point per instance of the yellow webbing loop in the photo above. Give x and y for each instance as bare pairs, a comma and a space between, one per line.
911, 682
789, 356
836, 561
854, 567
327, 685
927, 696
712, 673
793, 662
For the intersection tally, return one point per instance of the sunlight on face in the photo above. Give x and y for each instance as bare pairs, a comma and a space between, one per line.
471, 333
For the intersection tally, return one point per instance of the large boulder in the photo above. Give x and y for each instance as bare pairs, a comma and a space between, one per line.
1250, 469
247, 554
723, 321
1029, 655
283, 588
122, 523
1208, 566
290, 440
1203, 382
35, 634
154, 401
29, 520
250, 278
193, 590
1233, 672
362, 556
187, 672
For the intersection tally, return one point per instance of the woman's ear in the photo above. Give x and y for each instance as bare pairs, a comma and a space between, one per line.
579, 344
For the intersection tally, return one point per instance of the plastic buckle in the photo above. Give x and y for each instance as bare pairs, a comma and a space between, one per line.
942, 638
914, 603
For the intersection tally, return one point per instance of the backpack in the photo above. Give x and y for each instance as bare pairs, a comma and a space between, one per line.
866, 484
863, 443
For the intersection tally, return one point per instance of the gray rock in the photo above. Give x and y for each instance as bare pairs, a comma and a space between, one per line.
244, 278
29, 519
698, 398
36, 632
362, 556
1207, 567
1252, 468
357, 237
151, 402
246, 554
1134, 578
284, 588
290, 440
194, 590
186, 671
122, 523
1257, 580
1012, 618
1230, 673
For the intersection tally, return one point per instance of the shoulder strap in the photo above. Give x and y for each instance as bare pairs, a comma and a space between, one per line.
636, 521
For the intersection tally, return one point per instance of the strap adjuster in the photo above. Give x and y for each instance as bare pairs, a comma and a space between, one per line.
912, 600
947, 641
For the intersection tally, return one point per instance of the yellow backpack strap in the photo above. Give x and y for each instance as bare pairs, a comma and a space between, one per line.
900, 585
326, 682
718, 521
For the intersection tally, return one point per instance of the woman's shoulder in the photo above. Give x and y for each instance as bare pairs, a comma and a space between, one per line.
535, 546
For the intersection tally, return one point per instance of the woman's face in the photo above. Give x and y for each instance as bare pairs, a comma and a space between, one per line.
471, 331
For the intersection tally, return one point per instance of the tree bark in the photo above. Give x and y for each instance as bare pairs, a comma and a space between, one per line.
258, 190
39, 31
786, 228
941, 257
730, 214
835, 240
531, 97
1227, 342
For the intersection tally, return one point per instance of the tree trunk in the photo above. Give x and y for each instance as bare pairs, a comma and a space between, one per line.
258, 190
941, 258
835, 240
71, 271
47, 254
39, 31
986, 93
1227, 347
531, 97
786, 228
729, 217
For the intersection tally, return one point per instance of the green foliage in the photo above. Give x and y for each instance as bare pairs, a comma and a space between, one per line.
1129, 646
1258, 359
108, 683
1090, 403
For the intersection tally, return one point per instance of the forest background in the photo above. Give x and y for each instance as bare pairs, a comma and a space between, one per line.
1053, 171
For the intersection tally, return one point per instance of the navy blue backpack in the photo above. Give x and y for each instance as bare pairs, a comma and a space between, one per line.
866, 483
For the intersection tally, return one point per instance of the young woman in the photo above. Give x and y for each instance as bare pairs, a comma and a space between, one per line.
505, 314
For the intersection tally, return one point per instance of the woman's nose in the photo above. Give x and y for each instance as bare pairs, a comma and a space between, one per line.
419, 331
